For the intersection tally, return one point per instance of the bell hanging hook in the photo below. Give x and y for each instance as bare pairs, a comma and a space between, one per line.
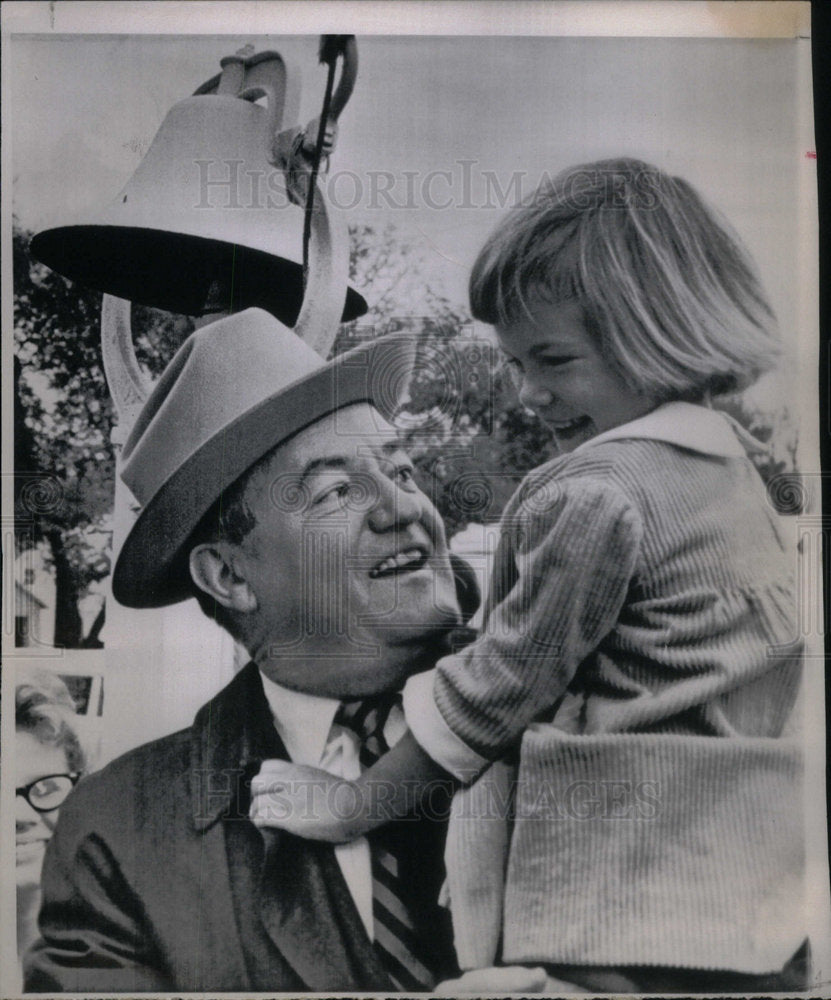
332, 47
302, 152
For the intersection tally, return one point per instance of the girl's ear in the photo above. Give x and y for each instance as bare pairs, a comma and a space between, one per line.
214, 569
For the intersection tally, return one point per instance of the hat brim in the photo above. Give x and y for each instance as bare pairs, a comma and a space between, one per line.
151, 569
174, 271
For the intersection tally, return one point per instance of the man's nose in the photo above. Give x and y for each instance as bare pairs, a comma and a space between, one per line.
394, 507
533, 395
25, 816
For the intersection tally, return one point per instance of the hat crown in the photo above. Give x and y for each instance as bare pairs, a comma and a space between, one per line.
219, 374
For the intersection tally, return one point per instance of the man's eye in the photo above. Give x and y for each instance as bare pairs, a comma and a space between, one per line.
405, 474
336, 492
44, 787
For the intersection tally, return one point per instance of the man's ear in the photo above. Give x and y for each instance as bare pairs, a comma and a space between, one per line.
214, 569
467, 587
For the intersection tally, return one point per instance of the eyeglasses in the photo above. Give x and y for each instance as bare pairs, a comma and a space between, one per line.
48, 792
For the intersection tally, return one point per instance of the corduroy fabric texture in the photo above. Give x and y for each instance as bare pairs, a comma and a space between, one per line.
610, 865
661, 574
642, 623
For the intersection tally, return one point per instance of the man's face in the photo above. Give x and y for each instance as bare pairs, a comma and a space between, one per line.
348, 560
36, 761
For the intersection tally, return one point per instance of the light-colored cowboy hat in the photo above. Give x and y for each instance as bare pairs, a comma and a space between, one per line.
234, 390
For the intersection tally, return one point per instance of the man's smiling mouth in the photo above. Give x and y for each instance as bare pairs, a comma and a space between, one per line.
405, 561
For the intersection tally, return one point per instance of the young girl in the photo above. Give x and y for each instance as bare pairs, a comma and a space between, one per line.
640, 636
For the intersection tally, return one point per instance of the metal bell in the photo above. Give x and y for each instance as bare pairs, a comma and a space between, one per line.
205, 224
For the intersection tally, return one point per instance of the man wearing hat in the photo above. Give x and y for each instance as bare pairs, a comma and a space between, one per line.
273, 489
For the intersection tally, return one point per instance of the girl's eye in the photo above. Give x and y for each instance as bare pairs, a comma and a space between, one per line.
554, 360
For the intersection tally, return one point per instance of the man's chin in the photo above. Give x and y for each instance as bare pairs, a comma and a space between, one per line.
392, 667
425, 631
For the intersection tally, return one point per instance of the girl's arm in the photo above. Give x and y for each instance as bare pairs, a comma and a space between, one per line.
314, 804
569, 562
394, 786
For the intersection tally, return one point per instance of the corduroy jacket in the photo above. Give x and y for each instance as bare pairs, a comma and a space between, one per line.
642, 633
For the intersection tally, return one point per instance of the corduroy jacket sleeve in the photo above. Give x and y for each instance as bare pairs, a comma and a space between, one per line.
573, 546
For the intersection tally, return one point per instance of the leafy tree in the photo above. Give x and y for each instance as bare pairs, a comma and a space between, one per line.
64, 460
470, 437
776, 462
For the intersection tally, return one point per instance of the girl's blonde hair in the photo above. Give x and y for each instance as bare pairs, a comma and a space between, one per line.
664, 283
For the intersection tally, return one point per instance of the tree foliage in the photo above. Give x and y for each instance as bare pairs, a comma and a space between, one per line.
64, 459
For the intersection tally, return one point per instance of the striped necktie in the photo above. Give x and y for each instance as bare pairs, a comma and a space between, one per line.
396, 938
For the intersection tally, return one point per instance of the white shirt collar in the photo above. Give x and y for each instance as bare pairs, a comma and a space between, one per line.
688, 426
303, 721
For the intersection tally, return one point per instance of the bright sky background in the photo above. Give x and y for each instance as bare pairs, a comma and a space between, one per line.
724, 113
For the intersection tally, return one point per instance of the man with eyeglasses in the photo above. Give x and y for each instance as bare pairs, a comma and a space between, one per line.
48, 763
274, 490
46, 794
36, 812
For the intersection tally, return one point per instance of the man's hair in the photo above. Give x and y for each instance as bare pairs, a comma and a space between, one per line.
44, 708
668, 289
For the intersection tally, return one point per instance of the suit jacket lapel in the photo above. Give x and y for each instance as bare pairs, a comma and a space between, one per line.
309, 914
220, 746
301, 897
223, 957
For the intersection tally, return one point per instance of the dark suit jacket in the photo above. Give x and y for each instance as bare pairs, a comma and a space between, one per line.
155, 878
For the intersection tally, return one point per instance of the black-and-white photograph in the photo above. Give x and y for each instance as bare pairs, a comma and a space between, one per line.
412, 501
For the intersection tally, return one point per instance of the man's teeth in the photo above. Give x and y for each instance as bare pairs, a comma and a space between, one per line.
400, 559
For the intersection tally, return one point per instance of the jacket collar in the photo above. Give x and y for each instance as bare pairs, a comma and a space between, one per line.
686, 425
230, 738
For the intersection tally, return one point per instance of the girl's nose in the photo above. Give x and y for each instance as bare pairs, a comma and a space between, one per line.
534, 396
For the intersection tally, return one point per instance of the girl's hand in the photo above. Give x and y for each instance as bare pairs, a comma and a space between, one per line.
305, 801
501, 979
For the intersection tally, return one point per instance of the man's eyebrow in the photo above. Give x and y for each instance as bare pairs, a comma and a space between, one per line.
327, 462
393, 445
388, 447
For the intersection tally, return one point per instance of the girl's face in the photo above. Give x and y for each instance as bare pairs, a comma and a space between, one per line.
563, 377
